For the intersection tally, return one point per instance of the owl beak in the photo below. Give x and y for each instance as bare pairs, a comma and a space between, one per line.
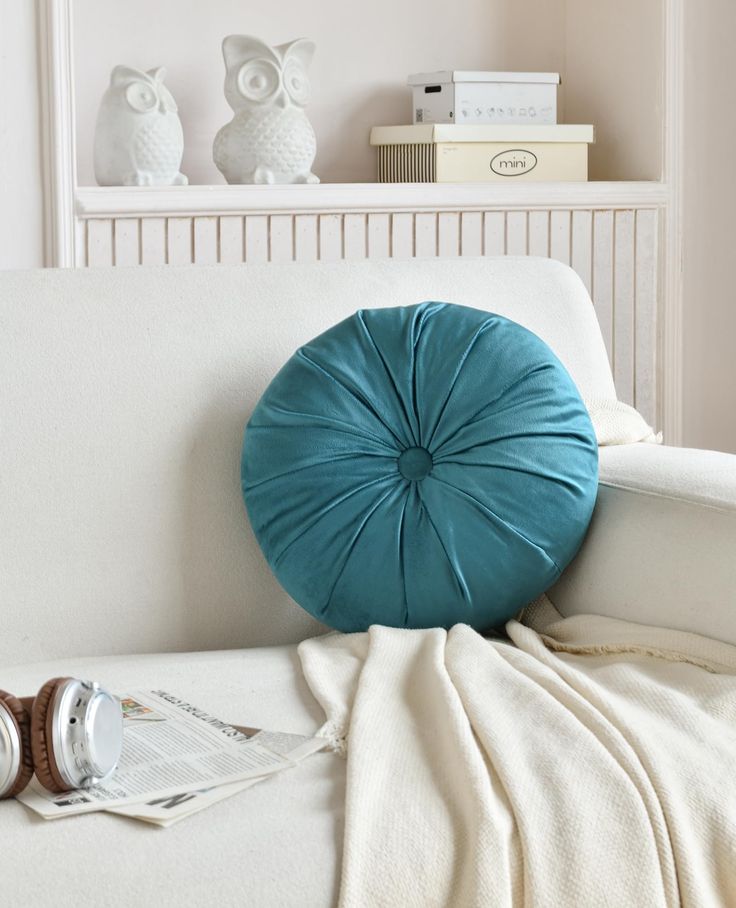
282, 100
161, 107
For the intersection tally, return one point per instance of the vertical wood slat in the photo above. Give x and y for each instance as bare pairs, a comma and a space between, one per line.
402, 235
581, 253
354, 231
127, 241
205, 250
623, 305
153, 241
471, 233
281, 236
80, 249
425, 234
100, 242
379, 236
256, 238
232, 239
516, 233
448, 234
494, 233
306, 245
645, 315
538, 231
559, 236
603, 276
180, 240
330, 237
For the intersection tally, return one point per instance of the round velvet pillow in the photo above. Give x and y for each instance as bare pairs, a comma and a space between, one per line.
419, 467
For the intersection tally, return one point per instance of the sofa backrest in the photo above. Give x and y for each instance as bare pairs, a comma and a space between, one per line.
123, 398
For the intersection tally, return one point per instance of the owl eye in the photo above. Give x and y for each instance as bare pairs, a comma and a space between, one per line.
140, 96
297, 84
258, 79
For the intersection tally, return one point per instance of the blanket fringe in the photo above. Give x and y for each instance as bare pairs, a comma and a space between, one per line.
612, 649
336, 738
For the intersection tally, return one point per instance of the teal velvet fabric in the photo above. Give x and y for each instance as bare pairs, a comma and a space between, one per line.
419, 467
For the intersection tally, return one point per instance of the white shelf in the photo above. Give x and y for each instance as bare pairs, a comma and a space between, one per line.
123, 201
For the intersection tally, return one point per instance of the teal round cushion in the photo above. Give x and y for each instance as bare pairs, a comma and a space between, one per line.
419, 467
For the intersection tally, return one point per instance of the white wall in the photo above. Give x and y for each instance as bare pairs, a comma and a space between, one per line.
709, 203
21, 195
610, 56
534, 41
614, 65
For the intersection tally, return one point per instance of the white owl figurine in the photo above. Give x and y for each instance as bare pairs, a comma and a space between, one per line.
270, 139
138, 137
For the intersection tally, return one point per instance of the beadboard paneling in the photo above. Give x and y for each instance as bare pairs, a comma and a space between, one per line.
624, 271
180, 240
614, 250
152, 241
232, 249
645, 314
126, 241
471, 233
603, 274
256, 238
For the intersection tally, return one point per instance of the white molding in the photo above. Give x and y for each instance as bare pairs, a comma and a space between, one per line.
58, 139
671, 348
120, 201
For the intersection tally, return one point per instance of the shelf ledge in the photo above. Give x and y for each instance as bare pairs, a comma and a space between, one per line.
173, 201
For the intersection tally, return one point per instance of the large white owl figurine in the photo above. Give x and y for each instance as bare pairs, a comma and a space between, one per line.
270, 139
138, 137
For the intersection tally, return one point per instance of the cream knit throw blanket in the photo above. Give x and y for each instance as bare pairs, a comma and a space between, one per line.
583, 762
593, 763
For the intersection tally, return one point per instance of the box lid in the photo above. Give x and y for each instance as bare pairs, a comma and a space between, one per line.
462, 75
423, 133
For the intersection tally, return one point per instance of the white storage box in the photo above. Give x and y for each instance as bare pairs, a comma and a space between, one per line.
483, 97
431, 153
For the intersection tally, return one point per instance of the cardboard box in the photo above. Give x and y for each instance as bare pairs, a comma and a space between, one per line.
464, 97
481, 154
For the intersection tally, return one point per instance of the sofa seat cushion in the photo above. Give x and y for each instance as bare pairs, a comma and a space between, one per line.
420, 466
278, 843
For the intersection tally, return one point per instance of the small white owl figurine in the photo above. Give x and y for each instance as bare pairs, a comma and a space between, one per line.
270, 139
138, 137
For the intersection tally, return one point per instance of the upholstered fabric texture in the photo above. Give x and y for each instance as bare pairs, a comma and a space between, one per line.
420, 466
122, 524
660, 548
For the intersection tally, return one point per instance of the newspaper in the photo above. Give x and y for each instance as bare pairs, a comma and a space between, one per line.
170, 748
169, 810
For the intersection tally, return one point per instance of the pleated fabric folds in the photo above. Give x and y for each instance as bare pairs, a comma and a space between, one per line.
418, 467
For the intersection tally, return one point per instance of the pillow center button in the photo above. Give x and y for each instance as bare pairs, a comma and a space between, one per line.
415, 463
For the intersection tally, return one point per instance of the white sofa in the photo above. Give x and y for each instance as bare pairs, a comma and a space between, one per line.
123, 397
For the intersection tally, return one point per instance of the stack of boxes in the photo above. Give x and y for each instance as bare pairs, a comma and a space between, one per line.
482, 127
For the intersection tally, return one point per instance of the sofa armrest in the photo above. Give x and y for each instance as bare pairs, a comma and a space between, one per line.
661, 547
